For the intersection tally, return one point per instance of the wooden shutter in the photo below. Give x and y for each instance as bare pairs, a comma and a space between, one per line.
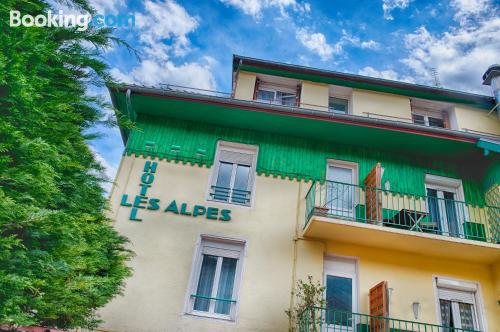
373, 201
379, 306
256, 88
297, 95
446, 119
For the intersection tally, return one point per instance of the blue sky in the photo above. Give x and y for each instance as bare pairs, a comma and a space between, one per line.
192, 42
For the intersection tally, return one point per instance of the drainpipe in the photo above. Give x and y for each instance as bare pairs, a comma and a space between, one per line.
236, 79
492, 78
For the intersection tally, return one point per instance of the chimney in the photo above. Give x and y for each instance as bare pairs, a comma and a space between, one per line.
492, 78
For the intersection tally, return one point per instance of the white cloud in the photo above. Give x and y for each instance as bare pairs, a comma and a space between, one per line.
468, 9
388, 74
255, 7
165, 20
152, 73
460, 55
162, 33
316, 42
389, 5
107, 6
370, 44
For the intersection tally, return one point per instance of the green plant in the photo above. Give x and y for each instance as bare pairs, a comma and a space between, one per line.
309, 295
60, 258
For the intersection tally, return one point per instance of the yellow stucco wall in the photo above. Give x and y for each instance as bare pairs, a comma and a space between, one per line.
384, 104
314, 96
475, 119
164, 244
245, 86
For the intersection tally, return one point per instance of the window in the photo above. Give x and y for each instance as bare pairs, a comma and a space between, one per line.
234, 174
215, 278
276, 97
338, 105
431, 113
458, 304
428, 121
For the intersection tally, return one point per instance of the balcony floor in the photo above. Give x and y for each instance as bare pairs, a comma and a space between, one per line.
333, 229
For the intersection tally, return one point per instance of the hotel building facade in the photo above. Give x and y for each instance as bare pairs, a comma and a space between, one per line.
385, 192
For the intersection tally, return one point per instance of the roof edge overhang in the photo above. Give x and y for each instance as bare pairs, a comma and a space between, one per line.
361, 82
391, 125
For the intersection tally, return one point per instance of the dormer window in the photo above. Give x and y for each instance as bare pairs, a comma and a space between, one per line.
277, 97
430, 113
339, 99
338, 105
429, 121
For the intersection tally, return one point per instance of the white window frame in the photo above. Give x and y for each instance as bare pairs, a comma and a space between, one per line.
239, 148
275, 90
355, 282
222, 247
426, 119
442, 183
440, 282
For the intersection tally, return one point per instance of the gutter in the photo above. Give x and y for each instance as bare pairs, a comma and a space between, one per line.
310, 113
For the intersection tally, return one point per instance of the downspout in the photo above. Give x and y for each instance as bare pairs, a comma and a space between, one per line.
128, 102
295, 251
236, 74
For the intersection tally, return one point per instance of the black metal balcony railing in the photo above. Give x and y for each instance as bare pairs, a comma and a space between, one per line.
230, 195
417, 213
327, 320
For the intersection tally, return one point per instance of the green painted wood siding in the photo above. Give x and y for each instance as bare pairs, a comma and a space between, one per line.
283, 156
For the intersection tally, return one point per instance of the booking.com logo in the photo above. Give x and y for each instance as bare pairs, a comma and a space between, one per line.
81, 21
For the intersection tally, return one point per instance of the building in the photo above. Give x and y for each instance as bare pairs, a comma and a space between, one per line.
386, 192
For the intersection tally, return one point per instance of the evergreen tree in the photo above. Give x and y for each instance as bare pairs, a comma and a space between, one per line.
60, 258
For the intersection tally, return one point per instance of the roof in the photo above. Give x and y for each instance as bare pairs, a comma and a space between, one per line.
361, 82
133, 100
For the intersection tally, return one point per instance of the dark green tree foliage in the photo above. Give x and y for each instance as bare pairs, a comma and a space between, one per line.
60, 258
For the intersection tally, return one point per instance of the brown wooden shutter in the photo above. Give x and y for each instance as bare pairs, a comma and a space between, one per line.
297, 95
446, 119
373, 201
379, 306
256, 88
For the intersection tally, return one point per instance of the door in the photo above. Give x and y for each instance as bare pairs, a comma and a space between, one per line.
340, 190
443, 210
340, 293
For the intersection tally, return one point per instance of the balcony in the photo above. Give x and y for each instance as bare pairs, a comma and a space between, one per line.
400, 221
326, 320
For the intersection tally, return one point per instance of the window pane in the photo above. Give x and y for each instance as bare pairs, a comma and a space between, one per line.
240, 188
241, 177
446, 313
418, 119
226, 284
285, 98
466, 315
221, 192
205, 282
264, 95
434, 122
338, 300
337, 105
451, 213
